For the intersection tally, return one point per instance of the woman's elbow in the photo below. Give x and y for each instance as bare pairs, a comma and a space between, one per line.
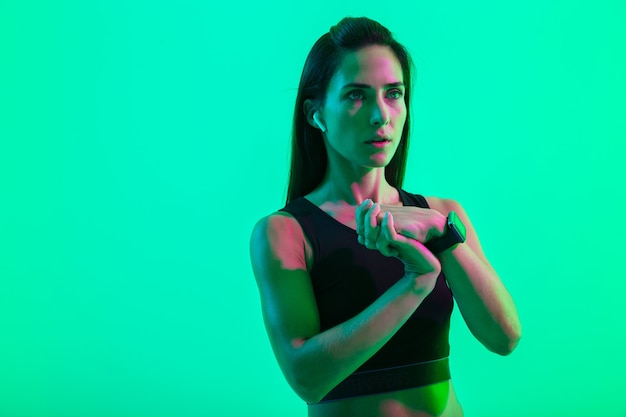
508, 341
305, 389
304, 380
309, 396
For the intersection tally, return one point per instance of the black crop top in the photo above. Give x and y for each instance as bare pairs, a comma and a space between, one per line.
347, 277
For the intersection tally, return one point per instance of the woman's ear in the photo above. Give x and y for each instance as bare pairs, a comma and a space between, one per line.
313, 116
318, 121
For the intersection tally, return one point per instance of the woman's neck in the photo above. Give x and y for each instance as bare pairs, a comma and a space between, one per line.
354, 188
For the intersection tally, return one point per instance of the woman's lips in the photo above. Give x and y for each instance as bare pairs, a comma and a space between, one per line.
379, 142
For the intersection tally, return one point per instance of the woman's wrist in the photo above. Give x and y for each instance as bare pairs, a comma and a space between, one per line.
421, 283
438, 226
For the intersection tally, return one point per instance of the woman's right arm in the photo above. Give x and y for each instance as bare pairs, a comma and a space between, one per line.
314, 362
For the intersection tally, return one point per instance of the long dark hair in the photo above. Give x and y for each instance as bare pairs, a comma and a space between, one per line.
308, 155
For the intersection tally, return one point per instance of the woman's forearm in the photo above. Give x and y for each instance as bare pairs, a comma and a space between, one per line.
323, 361
484, 302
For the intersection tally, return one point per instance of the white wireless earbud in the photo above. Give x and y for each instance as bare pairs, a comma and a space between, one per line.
319, 122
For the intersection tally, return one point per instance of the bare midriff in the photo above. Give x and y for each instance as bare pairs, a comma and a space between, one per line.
428, 401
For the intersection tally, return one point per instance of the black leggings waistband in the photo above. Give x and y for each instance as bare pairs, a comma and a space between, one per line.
390, 379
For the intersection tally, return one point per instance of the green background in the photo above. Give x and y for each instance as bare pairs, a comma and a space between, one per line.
140, 142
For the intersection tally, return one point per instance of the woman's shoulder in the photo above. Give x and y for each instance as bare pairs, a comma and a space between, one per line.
279, 224
279, 236
437, 203
444, 204
440, 204
420, 200
282, 218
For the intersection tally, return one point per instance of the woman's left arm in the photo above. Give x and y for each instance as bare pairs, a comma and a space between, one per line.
484, 302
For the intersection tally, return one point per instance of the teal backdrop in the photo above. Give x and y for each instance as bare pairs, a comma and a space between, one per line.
141, 141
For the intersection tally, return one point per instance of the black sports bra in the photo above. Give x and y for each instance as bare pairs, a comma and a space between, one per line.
347, 277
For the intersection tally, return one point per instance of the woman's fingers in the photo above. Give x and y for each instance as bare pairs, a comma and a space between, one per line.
385, 239
371, 230
389, 227
361, 212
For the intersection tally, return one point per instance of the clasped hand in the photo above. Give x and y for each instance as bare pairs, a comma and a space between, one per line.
400, 232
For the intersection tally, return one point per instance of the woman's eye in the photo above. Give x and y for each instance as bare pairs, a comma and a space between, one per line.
395, 94
355, 95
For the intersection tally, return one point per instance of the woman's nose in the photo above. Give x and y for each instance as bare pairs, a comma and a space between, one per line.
380, 114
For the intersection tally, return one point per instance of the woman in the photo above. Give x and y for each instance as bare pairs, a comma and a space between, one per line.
357, 276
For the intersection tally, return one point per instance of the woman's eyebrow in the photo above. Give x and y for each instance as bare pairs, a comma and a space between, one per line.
360, 85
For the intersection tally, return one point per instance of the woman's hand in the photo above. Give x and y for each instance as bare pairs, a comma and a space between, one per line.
418, 223
383, 237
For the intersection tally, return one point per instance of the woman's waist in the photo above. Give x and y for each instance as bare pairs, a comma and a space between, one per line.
375, 381
437, 399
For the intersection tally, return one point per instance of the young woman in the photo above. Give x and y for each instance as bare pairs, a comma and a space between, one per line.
357, 276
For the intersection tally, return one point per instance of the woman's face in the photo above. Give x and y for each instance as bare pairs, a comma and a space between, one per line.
364, 111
